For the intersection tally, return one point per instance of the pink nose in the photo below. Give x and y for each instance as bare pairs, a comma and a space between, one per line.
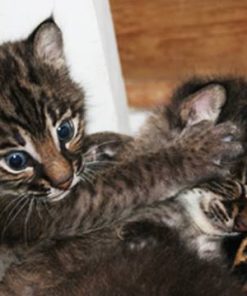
240, 224
63, 183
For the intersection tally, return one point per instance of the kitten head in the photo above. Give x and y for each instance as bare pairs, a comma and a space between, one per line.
234, 107
44, 151
235, 91
167, 122
42, 122
215, 207
203, 104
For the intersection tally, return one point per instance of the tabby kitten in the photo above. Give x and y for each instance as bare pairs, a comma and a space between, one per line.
235, 91
203, 217
170, 266
41, 162
83, 266
41, 166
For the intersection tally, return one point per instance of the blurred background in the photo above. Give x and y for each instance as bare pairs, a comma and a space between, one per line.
162, 42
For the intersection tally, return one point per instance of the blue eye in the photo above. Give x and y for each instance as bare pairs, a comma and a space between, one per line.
65, 131
17, 160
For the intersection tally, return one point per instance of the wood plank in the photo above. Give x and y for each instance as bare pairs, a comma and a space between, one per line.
146, 94
167, 40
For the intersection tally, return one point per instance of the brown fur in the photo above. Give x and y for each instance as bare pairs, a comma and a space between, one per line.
82, 266
55, 166
186, 158
38, 88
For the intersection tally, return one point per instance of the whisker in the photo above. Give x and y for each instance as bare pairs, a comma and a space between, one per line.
8, 205
94, 174
29, 212
88, 177
82, 179
81, 168
11, 220
37, 208
16, 203
45, 204
88, 174
102, 162
88, 180
91, 174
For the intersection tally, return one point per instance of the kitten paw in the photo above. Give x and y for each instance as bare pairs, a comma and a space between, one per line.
210, 150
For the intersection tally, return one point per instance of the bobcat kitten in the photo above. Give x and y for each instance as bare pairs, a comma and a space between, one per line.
42, 167
203, 217
45, 201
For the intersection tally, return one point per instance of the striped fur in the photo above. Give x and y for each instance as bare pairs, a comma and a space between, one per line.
39, 208
37, 96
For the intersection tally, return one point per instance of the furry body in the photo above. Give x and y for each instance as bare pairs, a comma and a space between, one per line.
56, 222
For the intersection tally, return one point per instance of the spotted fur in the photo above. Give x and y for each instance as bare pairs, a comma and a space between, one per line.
37, 96
58, 196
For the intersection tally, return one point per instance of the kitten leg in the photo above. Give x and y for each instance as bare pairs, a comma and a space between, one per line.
198, 154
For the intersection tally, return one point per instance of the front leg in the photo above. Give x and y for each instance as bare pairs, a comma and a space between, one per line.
197, 154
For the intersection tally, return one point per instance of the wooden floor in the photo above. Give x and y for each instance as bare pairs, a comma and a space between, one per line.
162, 42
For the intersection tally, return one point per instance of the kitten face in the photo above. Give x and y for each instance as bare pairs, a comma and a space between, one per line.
234, 108
44, 151
215, 207
41, 117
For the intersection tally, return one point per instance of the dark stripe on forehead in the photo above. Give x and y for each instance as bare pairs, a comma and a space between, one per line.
28, 109
57, 107
19, 138
53, 116
10, 137
7, 119
6, 145
35, 104
29, 88
21, 106
9, 66
26, 58
4, 130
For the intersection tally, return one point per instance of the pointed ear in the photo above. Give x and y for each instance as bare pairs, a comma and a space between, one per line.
47, 44
205, 104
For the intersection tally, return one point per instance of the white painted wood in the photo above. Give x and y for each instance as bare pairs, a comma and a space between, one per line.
110, 50
90, 49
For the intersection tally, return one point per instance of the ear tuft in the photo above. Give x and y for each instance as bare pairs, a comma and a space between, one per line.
205, 104
47, 44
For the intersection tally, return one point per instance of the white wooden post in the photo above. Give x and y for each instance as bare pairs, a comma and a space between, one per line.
90, 49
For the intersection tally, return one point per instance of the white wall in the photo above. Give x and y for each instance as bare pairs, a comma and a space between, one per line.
89, 46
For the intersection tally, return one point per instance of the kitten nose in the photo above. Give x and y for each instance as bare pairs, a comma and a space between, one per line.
59, 173
56, 168
63, 183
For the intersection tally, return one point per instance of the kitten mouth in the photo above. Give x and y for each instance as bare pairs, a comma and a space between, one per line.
59, 196
56, 194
